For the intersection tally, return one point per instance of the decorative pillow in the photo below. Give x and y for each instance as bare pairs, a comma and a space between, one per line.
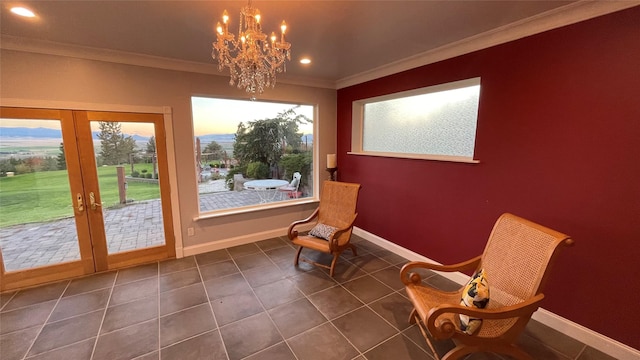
475, 294
322, 231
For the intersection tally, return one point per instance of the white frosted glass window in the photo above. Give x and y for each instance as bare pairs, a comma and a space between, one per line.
436, 121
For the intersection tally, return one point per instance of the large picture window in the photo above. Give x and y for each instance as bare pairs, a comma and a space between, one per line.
251, 153
437, 122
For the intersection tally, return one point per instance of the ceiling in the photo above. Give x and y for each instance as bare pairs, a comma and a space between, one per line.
343, 38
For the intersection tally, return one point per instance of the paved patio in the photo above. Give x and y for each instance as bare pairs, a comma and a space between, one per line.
133, 226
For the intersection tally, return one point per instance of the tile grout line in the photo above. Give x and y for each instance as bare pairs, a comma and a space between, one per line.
8, 301
584, 348
206, 294
46, 320
364, 305
367, 305
104, 315
262, 305
158, 298
360, 353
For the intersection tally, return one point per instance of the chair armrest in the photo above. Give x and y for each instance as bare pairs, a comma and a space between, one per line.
333, 238
444, 329
409, 277
294, 233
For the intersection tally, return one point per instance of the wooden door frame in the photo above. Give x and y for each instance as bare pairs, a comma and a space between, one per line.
85, 265
113, 261
168, 178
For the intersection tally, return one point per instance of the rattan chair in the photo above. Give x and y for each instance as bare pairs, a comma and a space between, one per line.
516, 260
337, 210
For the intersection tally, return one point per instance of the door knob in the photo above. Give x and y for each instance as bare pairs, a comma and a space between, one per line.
92, 201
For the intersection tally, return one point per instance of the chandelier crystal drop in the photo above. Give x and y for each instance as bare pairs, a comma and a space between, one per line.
252, 59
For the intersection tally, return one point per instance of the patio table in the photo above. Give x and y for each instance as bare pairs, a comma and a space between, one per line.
266, 189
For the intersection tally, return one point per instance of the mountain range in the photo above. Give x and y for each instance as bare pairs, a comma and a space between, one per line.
45, 133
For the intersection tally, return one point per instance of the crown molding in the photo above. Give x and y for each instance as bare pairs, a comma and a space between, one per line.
566, 15
562, 16
9, 42
15, 43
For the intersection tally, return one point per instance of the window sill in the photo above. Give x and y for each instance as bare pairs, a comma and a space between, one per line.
253, 208
448, 158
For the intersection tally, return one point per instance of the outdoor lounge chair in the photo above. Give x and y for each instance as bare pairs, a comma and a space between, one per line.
291, 189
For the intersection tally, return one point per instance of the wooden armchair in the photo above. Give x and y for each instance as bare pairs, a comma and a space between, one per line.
515, 261
337, 212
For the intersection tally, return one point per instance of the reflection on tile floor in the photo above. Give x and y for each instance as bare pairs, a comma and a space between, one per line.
246, 302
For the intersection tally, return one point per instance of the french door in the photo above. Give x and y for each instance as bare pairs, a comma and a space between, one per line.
81, 192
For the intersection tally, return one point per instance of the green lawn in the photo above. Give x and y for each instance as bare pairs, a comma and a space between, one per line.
43, 196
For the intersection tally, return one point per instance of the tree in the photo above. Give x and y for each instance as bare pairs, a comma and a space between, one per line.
62, 160
115, 146
214, 151
49, 163
151, 145
266, 140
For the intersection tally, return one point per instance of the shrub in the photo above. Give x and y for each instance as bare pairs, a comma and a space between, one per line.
258, 170
135, 174
149, 175
297, 162
144, 171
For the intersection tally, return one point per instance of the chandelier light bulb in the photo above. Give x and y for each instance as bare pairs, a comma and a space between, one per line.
251, 61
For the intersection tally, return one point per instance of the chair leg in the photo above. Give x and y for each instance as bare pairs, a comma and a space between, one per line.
353, 249
459, 352
333, 263
412, 316
297, 260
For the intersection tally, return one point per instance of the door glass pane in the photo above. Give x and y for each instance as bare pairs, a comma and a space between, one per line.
37, 225
129, 188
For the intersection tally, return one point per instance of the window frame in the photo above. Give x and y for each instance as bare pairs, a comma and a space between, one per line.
314, 171
357, 123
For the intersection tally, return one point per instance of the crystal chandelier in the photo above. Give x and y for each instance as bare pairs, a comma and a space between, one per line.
253, 61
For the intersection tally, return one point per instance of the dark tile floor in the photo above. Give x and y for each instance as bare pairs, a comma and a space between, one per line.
246, 302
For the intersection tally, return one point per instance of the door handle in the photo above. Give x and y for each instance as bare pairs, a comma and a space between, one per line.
80, 202
92, 201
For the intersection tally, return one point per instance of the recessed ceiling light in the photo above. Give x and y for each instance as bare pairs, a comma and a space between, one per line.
22, 11
305, 61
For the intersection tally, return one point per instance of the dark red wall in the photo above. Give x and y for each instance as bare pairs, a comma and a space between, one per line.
558, 141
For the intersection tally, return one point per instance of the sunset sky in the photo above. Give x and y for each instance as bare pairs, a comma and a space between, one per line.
210, 116
221, 116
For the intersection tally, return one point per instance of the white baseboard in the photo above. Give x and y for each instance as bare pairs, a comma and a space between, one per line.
239, 240
231, 242
587, 336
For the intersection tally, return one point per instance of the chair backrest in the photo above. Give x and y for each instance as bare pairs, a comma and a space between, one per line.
516, 261
516, 258
338, 206
295, 182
